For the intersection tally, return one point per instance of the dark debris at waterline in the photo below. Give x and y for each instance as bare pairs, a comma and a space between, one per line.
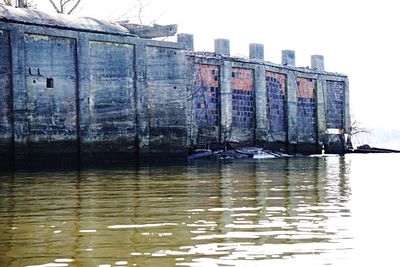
239, 153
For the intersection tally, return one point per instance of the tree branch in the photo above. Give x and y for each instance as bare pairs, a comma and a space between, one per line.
7, 2
356, 128
63, 3
74, 7
55, 6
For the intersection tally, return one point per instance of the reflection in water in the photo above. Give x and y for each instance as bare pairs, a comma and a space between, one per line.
249, 213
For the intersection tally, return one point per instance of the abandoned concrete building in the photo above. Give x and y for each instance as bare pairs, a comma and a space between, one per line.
85, 87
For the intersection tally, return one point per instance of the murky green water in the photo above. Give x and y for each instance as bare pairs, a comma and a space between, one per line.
282, 212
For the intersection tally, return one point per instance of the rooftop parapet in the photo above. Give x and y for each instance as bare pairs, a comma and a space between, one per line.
256, 55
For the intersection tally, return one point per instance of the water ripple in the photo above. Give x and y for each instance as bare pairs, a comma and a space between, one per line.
206, 214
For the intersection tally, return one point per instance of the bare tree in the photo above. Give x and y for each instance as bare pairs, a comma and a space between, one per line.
357, 128
140, 6
64, 6
8, 2
20, 3
136, 12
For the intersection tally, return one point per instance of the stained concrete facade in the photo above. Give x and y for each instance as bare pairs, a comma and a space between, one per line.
277, 106
89, 88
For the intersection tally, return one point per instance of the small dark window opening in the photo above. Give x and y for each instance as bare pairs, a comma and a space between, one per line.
49, 83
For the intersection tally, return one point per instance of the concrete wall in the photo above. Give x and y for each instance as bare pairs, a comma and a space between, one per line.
243, 105
166, 100
306, 110
206, 103
335, 104
111, 119
260, 103
276, 104
50, 71
89, 95
94, 94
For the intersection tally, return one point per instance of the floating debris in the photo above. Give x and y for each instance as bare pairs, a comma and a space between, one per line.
369, 149
236, 153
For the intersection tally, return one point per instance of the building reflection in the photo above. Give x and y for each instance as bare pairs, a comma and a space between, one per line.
156, 215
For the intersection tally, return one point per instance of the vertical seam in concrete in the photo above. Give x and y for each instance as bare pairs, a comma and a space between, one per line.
83, 87
18, 86
11, 94
77, 102
142, 112
134, 101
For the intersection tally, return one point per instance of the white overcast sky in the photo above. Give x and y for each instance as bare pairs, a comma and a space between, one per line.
358, 38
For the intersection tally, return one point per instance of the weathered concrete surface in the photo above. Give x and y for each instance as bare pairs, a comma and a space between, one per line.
243, 105
222, 47
35, 17
51, 94
290, 104
317, 62
226, 101
288, 58
6, 133
167, 100
111, 123
154, 31
67, 89
88, 94
187, 39
292, 136
256, 51
261, 114
276, 104
205, 105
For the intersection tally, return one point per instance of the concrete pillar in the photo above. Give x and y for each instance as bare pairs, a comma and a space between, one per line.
292, 107
321, 109
19, 95
222, 47
261, 105
142, 100
346, 96
83, 84
226, 99
256, 51
317, 62
187, 39
289, 58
